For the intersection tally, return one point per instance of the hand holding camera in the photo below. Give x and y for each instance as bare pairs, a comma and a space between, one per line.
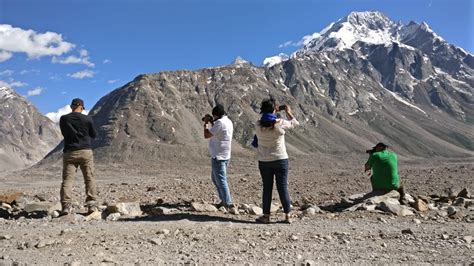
208, 119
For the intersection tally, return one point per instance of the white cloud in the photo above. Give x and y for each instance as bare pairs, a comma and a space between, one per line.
33, 71
4, 55
112, 81
82, 59
34, 92
106, 61
54, 116
35, 45
82, 74
305, 40
12, 83
6, 72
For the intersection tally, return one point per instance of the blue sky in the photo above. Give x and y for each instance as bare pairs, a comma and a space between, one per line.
101, 45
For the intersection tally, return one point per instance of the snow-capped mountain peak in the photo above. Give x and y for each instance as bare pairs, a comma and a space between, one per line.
270, 61
370, 27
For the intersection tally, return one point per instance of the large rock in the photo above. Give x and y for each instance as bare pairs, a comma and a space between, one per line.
391, 196
394, 208
126, 208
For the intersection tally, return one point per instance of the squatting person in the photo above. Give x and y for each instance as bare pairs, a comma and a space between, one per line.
78, 130
384, 165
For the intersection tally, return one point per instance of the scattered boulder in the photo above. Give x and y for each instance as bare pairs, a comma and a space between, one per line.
203, 207
468, 239
126, 208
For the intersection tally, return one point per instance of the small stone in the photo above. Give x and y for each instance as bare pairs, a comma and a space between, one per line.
416, 221
5, 237
384, 245
420, 205
163, 232
328, 237
44, 243
113, 216
155, 241
6, 206
65, 231
465, 193
444, 236
451, 210
407, 231
468, 239
309, 211
294, 237
55, 214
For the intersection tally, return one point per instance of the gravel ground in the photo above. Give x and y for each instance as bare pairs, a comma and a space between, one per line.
186, 236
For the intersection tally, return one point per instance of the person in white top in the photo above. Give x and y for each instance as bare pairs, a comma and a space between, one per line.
272, 155
219, 130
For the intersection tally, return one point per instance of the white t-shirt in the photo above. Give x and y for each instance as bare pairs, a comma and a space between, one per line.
271, 141
221, 140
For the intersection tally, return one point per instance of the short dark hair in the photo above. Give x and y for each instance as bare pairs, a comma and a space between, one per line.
268, 105
218, 110
77, 102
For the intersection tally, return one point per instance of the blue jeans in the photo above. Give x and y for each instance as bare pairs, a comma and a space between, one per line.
279, 170
219, 178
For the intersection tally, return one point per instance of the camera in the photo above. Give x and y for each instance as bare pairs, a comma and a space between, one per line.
207, 118
282, 108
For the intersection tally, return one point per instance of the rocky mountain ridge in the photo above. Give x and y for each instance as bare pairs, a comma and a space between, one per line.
26, 136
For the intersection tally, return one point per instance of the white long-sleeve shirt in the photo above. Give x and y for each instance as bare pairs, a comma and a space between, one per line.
271, 141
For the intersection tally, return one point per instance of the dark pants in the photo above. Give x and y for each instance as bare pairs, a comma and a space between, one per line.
279, 170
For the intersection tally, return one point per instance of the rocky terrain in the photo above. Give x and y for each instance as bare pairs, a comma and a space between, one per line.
155, 215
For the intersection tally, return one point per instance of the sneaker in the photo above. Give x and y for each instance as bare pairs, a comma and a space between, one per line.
264, 219
288, 218
219, 205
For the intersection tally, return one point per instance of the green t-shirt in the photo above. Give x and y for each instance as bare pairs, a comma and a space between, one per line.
384, 170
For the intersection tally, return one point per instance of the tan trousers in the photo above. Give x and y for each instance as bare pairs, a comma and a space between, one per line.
71, 161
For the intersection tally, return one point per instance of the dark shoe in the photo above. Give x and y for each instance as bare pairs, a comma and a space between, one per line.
67, 209
264, 219
219, 205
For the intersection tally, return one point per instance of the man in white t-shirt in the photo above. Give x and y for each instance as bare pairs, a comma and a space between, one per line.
219, 132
